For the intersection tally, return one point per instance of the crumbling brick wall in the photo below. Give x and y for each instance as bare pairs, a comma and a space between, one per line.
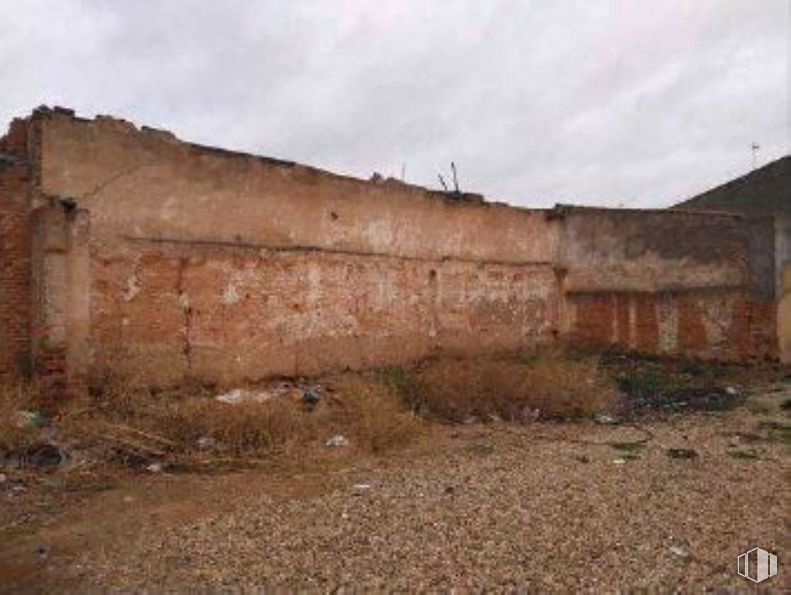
16, 178
230, 313
222, 266
161, 260
671, 282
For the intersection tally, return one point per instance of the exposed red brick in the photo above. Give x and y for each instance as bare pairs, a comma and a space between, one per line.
646, 323
228, 267
752, 333
594, 318
15, 254
622, 319
692, 332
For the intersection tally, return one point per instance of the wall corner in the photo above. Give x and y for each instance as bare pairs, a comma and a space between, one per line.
60, 298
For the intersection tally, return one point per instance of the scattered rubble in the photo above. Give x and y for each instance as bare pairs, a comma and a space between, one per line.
310, 398
240, 395
30, 419
678, 547
45, 456
308, 395
604, 419
747, 454
682, 453
205, 443
381, 507
337, 440
41, 455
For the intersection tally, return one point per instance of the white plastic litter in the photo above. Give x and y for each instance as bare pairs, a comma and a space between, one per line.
338, 440
241, 395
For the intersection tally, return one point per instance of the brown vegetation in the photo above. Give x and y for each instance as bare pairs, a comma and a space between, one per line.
16, 400
371, 410
140, 427
202, 428
545, 385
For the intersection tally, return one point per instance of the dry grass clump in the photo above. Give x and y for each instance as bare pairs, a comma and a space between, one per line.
191, 421
17, 432
240, 429
375, 414
371, 410
139, 426
190, 427
548, 386
183, 428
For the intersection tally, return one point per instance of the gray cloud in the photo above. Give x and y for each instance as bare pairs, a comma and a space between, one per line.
615, 102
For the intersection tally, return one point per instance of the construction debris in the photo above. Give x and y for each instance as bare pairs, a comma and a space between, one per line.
682, 453
337, 440
240, 395
307, 395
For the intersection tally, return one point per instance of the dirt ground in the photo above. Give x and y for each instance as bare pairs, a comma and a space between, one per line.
540, 506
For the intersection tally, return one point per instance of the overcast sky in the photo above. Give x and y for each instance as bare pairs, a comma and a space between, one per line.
612, 102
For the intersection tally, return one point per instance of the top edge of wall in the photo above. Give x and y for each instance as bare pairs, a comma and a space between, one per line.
455, 198
569, 208
452, 198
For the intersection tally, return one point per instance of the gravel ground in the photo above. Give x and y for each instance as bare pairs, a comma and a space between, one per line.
497, 506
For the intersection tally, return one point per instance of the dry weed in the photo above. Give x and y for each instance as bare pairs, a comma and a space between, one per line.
190, 427
17, 398
240, 429
374, 413
138, 426
546, 385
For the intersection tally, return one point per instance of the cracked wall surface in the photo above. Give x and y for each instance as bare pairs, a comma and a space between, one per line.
180, 261
671, 282
221, 266
15, 250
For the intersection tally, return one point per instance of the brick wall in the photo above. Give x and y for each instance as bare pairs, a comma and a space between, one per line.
15, 257
707, 324
161, 260
672, 283
223, 314
221, 266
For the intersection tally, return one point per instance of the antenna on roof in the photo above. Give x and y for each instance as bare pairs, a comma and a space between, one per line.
754, 148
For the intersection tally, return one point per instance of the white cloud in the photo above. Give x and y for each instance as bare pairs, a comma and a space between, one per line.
632, 102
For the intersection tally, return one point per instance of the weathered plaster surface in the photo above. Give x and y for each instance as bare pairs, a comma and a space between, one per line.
223, 266
670, 282
231, 313
151, 186
162, 260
